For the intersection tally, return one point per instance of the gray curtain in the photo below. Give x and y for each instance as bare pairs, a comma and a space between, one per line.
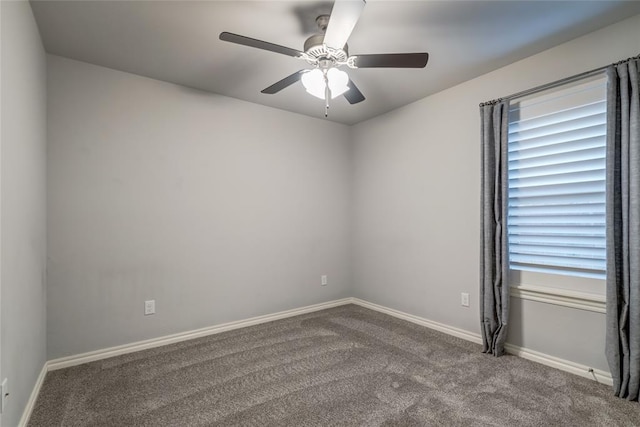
494, 287
623, 228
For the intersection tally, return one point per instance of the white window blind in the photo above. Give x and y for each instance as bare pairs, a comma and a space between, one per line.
556, 171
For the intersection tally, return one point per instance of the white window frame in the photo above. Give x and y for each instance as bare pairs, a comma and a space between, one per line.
572, 291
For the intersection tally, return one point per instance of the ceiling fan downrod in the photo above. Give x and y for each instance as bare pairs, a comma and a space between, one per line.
322, 22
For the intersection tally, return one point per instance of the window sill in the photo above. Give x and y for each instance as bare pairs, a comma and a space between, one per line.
564, 298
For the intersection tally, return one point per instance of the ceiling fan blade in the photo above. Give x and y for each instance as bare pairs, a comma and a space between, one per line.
259, 44
392, 60
344, 15
353, 95
284, 83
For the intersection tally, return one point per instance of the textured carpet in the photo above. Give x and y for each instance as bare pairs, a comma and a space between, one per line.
346, 366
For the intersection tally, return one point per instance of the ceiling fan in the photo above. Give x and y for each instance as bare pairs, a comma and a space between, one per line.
327, 51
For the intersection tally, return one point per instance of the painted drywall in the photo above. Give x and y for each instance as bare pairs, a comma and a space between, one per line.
416, 211
218, 209
22, 200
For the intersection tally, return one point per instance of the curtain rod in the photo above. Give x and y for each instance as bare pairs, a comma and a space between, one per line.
557, 82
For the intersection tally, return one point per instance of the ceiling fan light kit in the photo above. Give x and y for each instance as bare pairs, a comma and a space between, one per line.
316, 82
326, 52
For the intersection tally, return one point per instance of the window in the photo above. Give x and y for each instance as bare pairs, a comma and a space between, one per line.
556, 172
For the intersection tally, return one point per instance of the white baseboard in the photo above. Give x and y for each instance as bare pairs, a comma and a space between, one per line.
450, 330
579, 369
79, 359
535, 356
26, 414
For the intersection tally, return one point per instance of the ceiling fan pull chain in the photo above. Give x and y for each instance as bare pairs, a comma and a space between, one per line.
327, 94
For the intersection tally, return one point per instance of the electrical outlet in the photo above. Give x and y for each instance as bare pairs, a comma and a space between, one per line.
323, 280
464, 299
150, 307
4, 387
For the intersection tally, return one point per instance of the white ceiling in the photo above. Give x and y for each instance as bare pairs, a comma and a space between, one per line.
177, 41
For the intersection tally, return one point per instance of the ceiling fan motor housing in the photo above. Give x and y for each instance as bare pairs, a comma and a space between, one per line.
315, 48
320, 54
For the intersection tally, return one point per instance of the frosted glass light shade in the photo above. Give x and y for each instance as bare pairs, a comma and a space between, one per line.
313, 81
338, 82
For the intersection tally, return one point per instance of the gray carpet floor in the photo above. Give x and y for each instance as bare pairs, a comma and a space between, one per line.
346, 366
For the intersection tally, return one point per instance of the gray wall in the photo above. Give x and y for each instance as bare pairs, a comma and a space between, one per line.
416, 210
216, 208
22, 200
222, 210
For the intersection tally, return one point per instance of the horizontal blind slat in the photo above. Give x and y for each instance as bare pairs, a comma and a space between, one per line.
583, 263
568, 167
594, 131
589, 187
587, 136
578, 140
577, 241
589, 109
557, 177
547, 210
559, 127
569, 255
558, 200
558, 220
558, 159
549, 230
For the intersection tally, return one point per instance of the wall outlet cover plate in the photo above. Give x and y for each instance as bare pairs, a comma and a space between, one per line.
149, 307
464, 299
